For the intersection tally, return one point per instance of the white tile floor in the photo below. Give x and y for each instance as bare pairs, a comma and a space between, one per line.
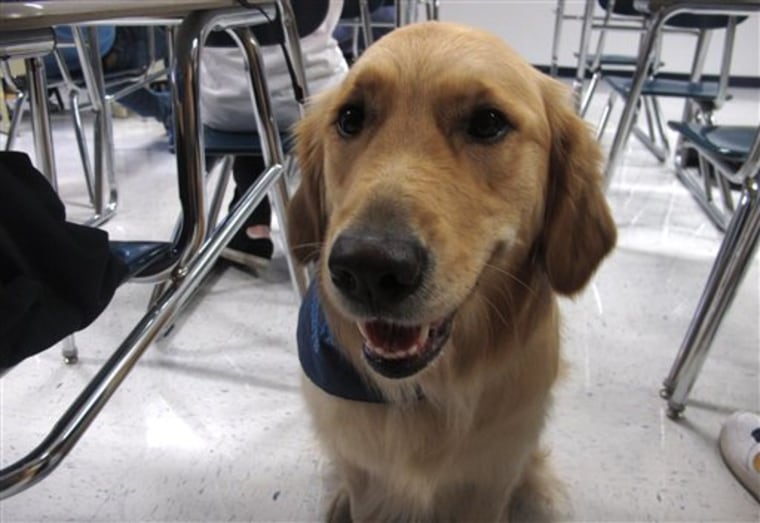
210, 425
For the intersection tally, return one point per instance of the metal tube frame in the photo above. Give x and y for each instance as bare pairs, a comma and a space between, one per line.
661, 11
196, 256
269, 136
559, 15
103, 171
366, 22
730, 266
741, 238
38, 102
580, 71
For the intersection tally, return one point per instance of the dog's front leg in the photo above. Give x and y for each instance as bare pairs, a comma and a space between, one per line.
473, 503
340, 508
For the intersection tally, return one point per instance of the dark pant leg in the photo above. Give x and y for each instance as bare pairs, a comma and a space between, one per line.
245, 171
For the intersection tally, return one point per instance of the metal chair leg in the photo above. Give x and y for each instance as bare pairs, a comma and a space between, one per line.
225, 170
649, 138
366, 20
646, 103
432, 9
734, 256
657, 111
103, 176
76, 117
558, 18
726, 193
602, 125
299, 276
580, 73
589, 93
69, 350
43, 136
18, 113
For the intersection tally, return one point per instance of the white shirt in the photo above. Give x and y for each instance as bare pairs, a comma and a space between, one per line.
225, 102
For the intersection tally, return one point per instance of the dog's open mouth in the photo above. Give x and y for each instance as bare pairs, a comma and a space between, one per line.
399, 351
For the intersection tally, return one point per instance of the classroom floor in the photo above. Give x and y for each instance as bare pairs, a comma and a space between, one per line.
210, 425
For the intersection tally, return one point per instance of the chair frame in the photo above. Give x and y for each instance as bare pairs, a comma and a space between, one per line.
741, 237
405, 13
193, 252
712, 173
102, 179
660, 11
653, 135
729, 268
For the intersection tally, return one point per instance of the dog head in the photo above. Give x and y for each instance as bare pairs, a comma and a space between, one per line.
442, 166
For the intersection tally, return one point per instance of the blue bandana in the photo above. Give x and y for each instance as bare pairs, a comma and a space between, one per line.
321, 360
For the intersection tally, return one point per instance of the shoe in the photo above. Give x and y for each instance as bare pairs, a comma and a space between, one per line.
253, 253
740, 447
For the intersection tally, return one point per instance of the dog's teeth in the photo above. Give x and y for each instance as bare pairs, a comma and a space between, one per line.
413, 350
423, 336
362, 330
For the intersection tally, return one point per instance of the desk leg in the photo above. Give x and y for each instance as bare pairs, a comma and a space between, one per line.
270, 144
731, 263
627, 118
38, 102
406, 12
580, 71
366, 19
293, 50
558, 21
92, 69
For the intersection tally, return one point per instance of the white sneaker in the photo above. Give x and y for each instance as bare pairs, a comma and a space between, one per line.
740, 447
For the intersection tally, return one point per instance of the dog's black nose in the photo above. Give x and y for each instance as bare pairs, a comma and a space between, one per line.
377, 271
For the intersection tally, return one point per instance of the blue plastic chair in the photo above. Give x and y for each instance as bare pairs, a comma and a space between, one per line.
702, 96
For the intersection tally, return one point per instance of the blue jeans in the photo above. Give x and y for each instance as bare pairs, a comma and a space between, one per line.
122, 49
63, 35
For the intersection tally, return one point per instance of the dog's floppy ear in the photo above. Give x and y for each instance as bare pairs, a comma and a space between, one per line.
306, 212
579, 229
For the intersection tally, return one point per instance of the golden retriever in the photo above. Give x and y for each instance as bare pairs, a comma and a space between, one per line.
449, 193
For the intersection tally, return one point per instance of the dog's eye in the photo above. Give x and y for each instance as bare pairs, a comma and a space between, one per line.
350, 121
487, 125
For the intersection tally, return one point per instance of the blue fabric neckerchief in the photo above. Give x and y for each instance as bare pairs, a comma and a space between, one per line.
321, 360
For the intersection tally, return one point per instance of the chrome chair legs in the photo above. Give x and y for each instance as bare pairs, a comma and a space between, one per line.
188, 259
71, 426
69, 350
43, 136
735, 255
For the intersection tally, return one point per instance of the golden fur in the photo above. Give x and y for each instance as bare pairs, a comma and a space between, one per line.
510, 225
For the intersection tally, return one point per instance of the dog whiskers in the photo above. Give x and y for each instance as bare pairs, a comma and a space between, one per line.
511, 277
509, 325
496, 309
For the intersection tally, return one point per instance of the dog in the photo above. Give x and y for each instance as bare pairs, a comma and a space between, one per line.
449, 194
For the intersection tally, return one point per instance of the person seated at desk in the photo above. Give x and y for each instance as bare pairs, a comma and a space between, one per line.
122, 49
226, 106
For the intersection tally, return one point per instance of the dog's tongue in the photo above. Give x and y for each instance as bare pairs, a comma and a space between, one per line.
391, 338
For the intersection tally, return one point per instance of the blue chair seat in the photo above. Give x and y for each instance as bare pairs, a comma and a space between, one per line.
731, 142
704, 92
684, 20
144, 257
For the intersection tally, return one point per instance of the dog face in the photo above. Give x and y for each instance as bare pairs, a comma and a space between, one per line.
443, 166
